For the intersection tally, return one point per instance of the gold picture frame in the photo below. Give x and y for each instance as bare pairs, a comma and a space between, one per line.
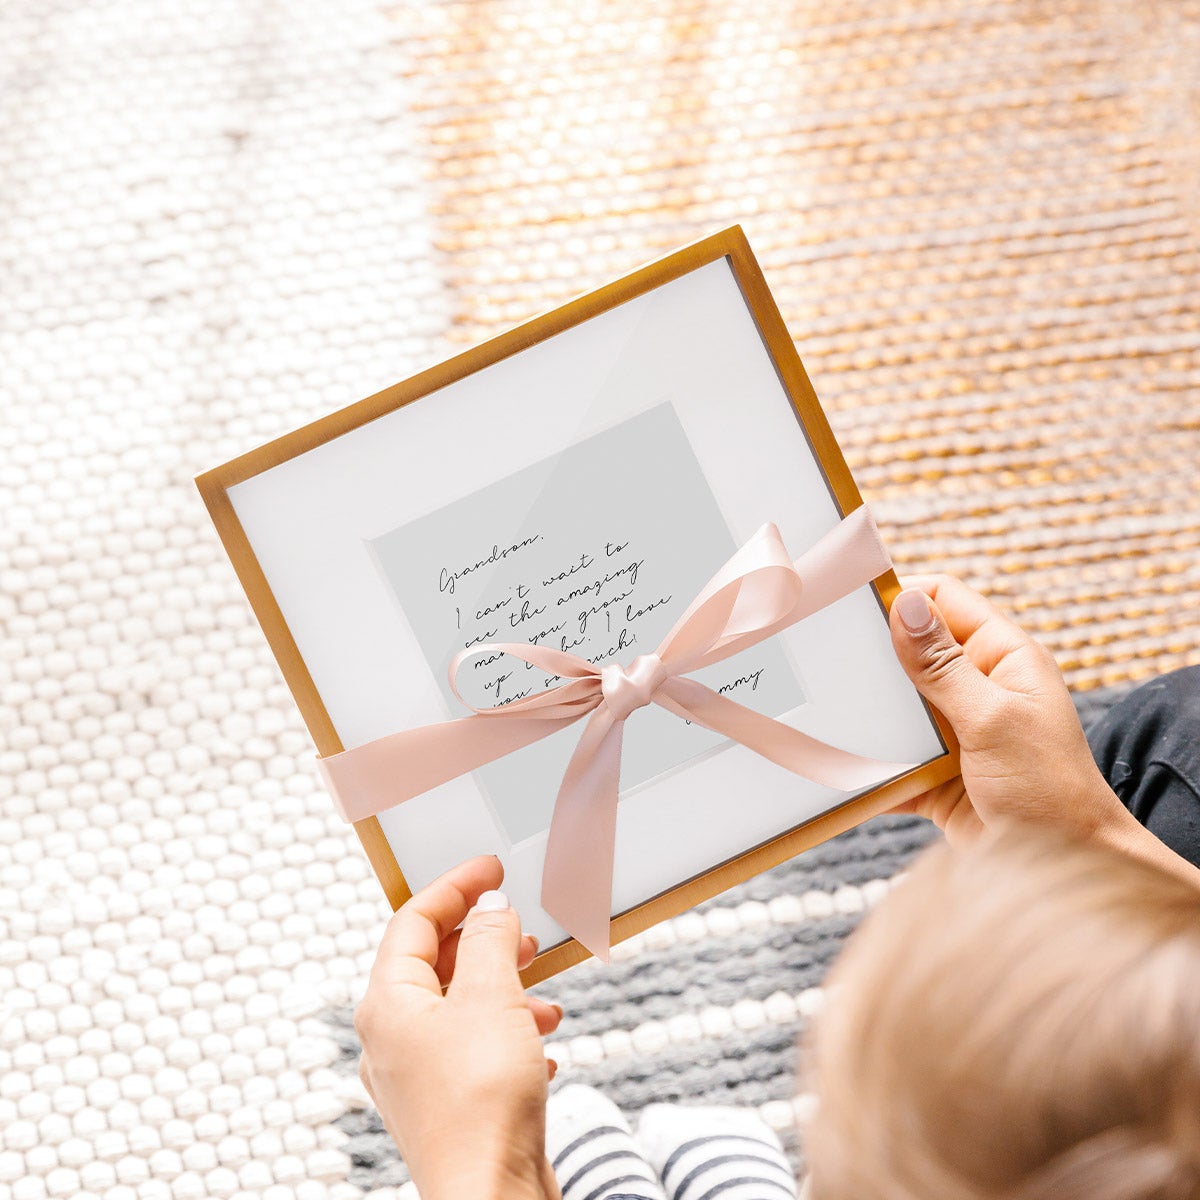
729, 244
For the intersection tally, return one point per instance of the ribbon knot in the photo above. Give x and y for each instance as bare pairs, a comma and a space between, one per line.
757, 593
626, 689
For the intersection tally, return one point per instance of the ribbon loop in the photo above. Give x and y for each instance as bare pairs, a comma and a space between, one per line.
757, 593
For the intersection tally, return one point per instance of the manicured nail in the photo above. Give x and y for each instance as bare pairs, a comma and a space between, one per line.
492, 902
536, 944
555, 1005
915, 612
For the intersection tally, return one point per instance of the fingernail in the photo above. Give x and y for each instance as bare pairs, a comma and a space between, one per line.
915, 612
537, 945
492, 902
555, 1005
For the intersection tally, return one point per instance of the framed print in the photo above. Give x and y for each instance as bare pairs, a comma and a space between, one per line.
594, 490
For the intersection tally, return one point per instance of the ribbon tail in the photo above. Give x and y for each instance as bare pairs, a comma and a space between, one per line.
797, 752
849, 556
577, 874
380, 774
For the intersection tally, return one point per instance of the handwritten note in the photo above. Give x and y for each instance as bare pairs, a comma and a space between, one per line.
596, 551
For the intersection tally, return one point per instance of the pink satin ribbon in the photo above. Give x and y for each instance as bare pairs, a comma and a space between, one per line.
758, 592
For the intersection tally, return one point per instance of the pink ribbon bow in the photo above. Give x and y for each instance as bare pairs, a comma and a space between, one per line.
758, 592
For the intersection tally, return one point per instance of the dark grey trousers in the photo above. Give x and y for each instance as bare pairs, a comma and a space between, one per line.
1148, 746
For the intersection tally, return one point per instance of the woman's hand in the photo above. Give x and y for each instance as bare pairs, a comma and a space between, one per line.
460, 1079
1023, 752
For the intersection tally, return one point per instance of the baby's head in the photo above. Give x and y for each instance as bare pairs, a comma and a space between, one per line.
1020, 1020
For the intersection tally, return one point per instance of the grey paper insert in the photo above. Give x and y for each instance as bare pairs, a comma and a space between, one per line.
596, 550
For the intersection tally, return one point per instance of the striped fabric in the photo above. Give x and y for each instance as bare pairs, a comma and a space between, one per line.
593, 1151
711, 1153
602, 1164
730, 1166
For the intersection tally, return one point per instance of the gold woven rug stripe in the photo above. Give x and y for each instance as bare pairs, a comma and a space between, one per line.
980, 221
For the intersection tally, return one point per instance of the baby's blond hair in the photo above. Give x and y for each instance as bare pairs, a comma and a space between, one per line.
1017, 1021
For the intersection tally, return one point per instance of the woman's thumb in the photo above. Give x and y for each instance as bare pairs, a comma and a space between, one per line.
487, 948
932, 658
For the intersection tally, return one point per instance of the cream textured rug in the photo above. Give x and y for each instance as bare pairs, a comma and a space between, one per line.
219, 220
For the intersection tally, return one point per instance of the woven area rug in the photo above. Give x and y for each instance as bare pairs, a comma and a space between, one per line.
220, 220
